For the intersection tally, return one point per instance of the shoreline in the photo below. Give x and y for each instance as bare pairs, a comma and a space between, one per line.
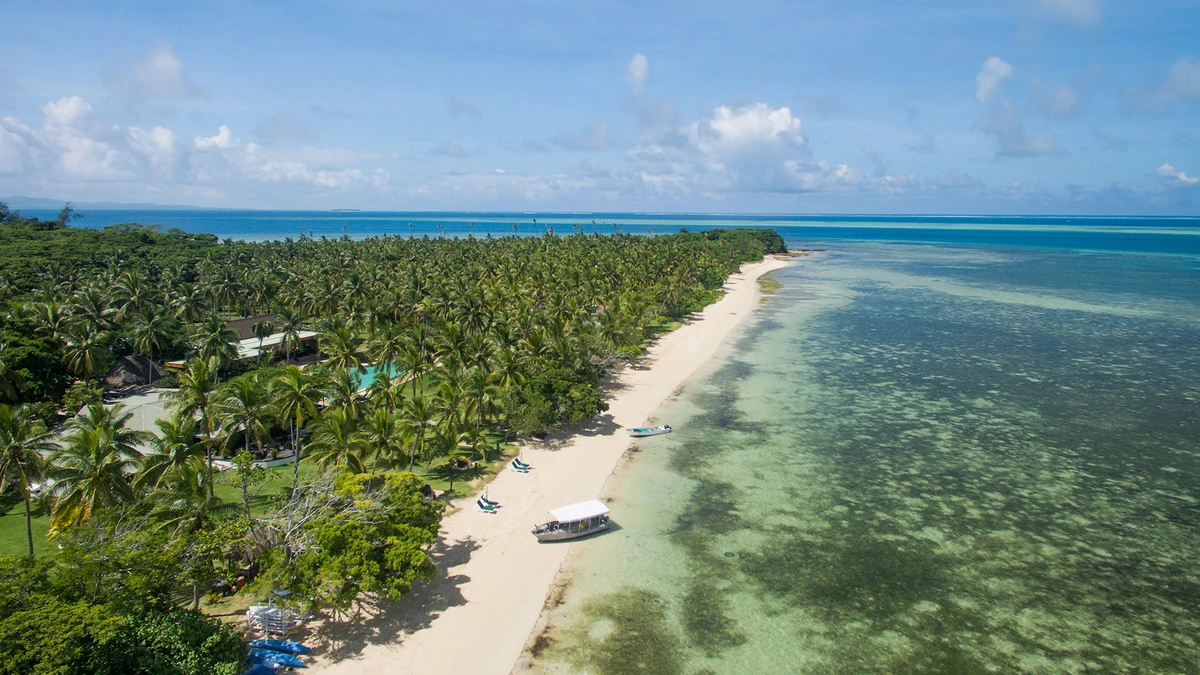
478, 616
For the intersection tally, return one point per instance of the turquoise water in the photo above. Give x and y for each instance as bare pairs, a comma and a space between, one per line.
1151, 234
367, 378
916, 459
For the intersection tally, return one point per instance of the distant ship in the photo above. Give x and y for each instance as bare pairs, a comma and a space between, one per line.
346, 210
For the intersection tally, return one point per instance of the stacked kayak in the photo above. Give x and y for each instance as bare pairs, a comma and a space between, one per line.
269, 656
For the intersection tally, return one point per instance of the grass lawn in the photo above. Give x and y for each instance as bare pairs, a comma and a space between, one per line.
12, 528
438, 474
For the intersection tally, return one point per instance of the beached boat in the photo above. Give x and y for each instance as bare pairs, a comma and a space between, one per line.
638, 432
574, 520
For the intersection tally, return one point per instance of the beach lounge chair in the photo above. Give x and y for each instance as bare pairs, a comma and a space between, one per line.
519, 466
483, 498
485, 507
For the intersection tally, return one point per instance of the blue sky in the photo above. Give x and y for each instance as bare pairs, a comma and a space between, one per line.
1026, 106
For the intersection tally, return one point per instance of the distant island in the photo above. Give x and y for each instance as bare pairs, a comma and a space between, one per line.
346, 210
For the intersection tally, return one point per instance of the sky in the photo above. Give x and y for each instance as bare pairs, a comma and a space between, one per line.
896, 106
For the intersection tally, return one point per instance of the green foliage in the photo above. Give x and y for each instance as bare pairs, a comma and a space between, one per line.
370, 537
38, 364
555, 395
51, 637
176, 642
80, 395
27, 244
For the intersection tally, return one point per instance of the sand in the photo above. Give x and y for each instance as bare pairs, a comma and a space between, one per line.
478, 616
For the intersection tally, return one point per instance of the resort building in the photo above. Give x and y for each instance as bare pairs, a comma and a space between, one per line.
248, 345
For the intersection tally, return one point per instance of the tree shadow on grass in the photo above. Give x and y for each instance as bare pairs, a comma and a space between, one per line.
381, 622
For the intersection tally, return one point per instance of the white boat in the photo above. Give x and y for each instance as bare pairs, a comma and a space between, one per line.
574, 520
638, 432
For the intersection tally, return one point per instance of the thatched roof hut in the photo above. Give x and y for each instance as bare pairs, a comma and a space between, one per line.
130, 371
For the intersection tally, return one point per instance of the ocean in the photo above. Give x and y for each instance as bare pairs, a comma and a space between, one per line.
1147, 234
916, 458
945, 445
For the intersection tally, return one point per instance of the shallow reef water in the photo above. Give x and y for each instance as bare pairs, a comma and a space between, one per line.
916, 459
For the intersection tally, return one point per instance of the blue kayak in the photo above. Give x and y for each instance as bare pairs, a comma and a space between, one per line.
267, 657
289, 646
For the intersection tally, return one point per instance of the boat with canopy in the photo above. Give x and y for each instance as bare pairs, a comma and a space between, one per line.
573, 520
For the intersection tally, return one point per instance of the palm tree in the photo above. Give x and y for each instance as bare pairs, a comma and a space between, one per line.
262, 330
335, 442
92, 467
342, 347
197, 395
151, 330
174, 445
296, 395
416, 417
24, 444
483, 396
289, 325
342, 392
184, 502
10, 380
85, 351
243, 401
382, 433
213, 340
386, 346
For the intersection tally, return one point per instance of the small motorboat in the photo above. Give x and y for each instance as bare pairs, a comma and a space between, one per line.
639, 432
573, 521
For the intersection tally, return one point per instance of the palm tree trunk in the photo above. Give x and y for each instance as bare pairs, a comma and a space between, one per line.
296, 454
28, 521
195, 596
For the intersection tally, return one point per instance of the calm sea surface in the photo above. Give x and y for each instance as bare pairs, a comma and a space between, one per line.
946, 445
1150, 234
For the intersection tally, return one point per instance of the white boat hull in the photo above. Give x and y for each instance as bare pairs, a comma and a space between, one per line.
648, 431
563, 533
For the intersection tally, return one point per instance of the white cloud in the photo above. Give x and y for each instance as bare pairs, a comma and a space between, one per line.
991, 77
76, 152
1002, 120
223, 139
1176, 178
638, 70
1079, 13
157, 77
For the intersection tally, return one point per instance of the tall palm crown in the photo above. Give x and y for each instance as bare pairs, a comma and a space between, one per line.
213, 340
197, 395
244, 404
24, 445
93, 468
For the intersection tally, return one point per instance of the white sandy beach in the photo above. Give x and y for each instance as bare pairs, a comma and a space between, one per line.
478, 616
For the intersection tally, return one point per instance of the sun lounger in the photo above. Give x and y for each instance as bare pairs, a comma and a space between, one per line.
518, 466
485, 507
485, 500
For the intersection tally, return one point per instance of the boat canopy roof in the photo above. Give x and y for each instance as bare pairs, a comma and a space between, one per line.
580, 511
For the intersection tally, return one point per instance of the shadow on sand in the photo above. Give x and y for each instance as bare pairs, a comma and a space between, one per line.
601, 425
382, 622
